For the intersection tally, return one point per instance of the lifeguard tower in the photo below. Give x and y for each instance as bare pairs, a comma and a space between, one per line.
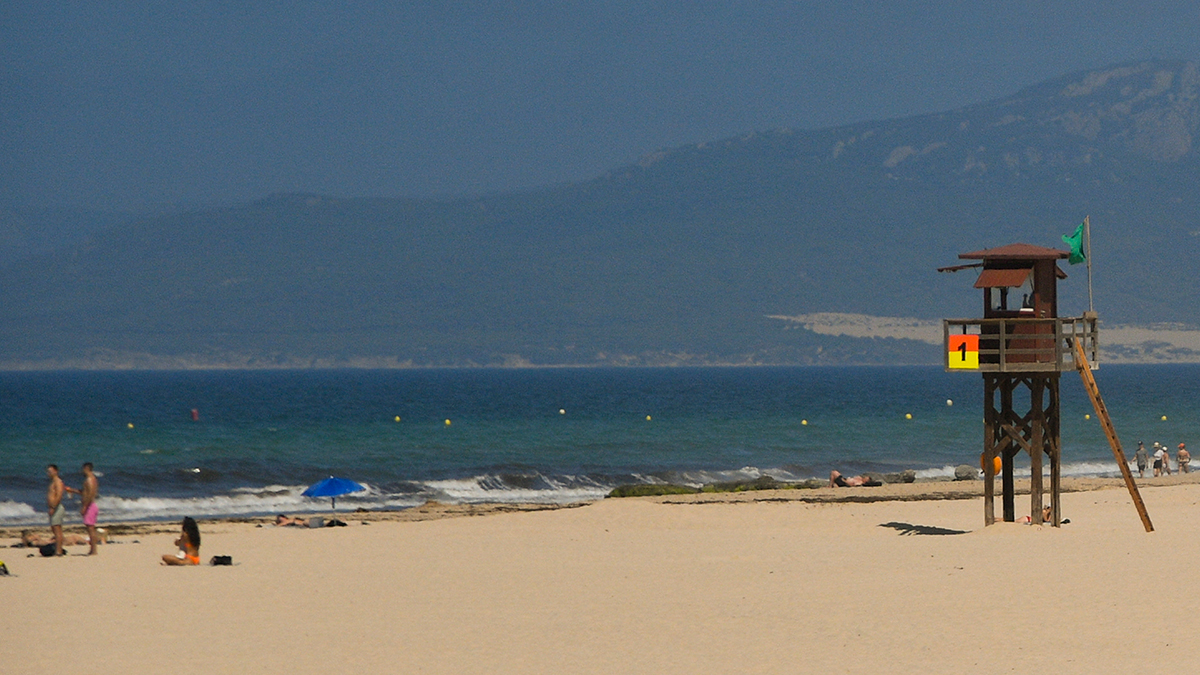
1020, 345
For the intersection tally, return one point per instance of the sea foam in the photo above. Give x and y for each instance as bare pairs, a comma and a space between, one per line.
11, 511
535, 489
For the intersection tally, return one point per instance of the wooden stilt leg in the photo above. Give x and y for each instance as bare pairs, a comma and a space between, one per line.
1036, 446
1055, 449
989, 451
1010, 508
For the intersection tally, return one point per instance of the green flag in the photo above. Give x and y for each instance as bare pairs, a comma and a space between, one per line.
1076, 243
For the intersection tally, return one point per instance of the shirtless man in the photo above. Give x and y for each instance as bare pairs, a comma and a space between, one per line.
836, 479
54, 506
283, 521
89, 509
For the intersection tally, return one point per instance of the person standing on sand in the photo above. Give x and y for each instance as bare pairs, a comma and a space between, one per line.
1166, 461
89, 509
1142, 459
54, 506
1184, 458
1158, 459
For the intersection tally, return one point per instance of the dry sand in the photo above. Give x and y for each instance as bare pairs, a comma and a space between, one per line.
753, 583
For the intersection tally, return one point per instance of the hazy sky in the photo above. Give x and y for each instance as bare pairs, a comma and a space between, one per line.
131, 104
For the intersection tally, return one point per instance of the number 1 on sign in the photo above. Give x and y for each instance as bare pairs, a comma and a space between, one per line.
963, 352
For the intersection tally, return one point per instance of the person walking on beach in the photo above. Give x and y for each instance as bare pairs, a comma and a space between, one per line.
1184, 458
54, 506
1142, 458
1166, 461
89, 509
1158, 459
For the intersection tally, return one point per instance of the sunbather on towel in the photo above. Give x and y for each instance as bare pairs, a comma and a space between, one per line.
283, 521
836, 479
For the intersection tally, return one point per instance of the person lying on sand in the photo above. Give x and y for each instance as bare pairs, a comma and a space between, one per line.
836, 479
1047, 516
189, 546
283, 521
32, 539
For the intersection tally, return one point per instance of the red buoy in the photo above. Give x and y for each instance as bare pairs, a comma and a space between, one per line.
195, 414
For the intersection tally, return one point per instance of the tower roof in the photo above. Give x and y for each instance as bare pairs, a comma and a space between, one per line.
1016, 252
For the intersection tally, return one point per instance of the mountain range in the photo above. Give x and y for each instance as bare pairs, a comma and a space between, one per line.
689, 256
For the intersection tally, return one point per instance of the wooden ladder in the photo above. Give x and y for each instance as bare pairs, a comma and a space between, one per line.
1089, 383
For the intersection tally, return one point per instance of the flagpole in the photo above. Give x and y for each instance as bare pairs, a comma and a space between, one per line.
1087, 227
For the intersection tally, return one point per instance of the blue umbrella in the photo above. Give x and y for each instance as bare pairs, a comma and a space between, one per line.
333, 488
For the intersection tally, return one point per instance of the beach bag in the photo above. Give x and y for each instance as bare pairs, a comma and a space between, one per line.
47, 550
221, 560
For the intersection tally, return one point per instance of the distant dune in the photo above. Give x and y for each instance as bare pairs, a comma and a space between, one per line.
1119, 343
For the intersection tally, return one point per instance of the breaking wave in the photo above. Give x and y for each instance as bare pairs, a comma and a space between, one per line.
528, 487
270, 499
1074, 469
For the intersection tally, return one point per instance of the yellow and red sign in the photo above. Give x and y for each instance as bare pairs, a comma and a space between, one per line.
962, 351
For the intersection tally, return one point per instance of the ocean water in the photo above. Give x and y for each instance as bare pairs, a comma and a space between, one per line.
544, 435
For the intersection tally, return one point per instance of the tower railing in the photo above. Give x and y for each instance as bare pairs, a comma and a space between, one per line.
1015, 345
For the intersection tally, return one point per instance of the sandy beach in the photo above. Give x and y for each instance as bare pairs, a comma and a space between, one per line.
752, 582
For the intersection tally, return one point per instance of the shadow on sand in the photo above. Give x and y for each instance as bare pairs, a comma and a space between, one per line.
910, 529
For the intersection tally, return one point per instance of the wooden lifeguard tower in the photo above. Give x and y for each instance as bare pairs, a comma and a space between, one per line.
1020, 345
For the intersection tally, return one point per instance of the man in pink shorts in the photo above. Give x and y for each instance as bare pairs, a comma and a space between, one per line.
88, 507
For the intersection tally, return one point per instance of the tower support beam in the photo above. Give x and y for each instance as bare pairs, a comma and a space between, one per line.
1008, 431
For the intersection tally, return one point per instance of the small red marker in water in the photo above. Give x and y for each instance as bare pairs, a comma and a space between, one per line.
195, 414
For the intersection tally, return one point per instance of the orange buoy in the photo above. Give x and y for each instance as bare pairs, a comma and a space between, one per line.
998, 464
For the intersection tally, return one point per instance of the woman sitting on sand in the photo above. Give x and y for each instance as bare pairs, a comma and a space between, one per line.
189, 546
